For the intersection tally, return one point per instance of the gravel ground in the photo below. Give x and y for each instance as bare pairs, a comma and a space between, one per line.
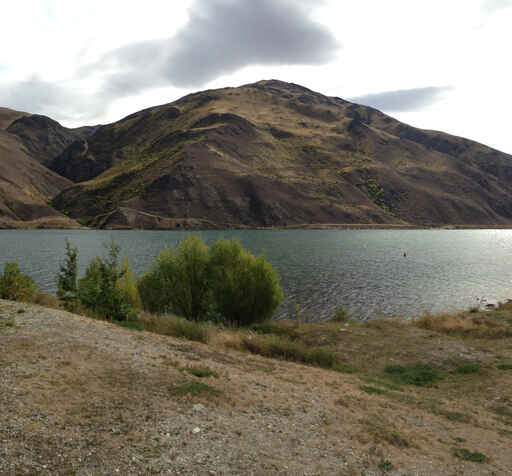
85, 397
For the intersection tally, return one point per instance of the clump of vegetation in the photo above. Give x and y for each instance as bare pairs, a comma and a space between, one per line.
175, 326
421, 375
469, 324
382, 429
372, 390
132, 325
287, 329
128, 286
340, 315
504, 366
15, 285
345, 368
245, 288
178, 281
67, 288
468, 368
225, 283
200, 371
192, 388
465, 454
102, 290
286, 349
454, 416
385, 465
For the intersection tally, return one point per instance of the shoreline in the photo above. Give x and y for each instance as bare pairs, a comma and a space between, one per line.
303, 226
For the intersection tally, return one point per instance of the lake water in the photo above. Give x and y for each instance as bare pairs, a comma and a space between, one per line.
364, 270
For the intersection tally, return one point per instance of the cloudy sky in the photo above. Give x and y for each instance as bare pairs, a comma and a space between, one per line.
436, 64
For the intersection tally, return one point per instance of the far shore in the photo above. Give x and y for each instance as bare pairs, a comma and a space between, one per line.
228, 226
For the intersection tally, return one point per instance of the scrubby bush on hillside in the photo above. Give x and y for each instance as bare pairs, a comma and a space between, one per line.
15, 285
245, 289
224, 282
103, 290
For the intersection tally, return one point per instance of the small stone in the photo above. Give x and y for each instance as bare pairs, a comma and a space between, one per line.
196, 430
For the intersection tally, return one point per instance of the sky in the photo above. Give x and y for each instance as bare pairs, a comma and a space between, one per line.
436, 64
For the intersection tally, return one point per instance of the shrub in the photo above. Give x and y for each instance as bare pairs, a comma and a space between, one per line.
283, 348
225, 283
340, 315
175, 326
99, 289
245, 289
504, 366
192, 388
468, 368
418, 374
67, 278
465, 454
276, 328
200, 371
152, 292
178, 281
126, 283
15, 285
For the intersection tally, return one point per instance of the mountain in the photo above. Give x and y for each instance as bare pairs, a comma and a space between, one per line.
44, 138
26, 186
262, 155
278, 154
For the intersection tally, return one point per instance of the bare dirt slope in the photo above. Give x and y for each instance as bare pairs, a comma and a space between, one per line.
79, 396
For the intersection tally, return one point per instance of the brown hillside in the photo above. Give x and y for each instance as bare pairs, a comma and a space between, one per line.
277, 154
26, 186
45, 138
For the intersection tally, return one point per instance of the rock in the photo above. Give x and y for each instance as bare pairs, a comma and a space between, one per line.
196, 430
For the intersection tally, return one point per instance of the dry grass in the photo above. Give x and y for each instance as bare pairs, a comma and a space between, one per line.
174, 326
400, 422
489, 324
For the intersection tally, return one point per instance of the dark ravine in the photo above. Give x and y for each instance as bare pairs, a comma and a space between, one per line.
268, 154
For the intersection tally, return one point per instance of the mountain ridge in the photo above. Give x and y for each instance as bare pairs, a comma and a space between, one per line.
274, 154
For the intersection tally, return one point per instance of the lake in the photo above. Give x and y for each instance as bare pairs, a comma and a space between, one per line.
364, 270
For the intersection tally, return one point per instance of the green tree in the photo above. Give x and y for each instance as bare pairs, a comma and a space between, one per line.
224, 282
178, 281
245, 288
67, 278
127, 284
15, 285
99, 289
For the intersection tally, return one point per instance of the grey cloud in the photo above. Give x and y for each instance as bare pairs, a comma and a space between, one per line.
402, 100
56, 100
221, 37
492, 6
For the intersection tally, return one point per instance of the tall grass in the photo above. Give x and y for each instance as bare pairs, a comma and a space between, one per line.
174, 326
